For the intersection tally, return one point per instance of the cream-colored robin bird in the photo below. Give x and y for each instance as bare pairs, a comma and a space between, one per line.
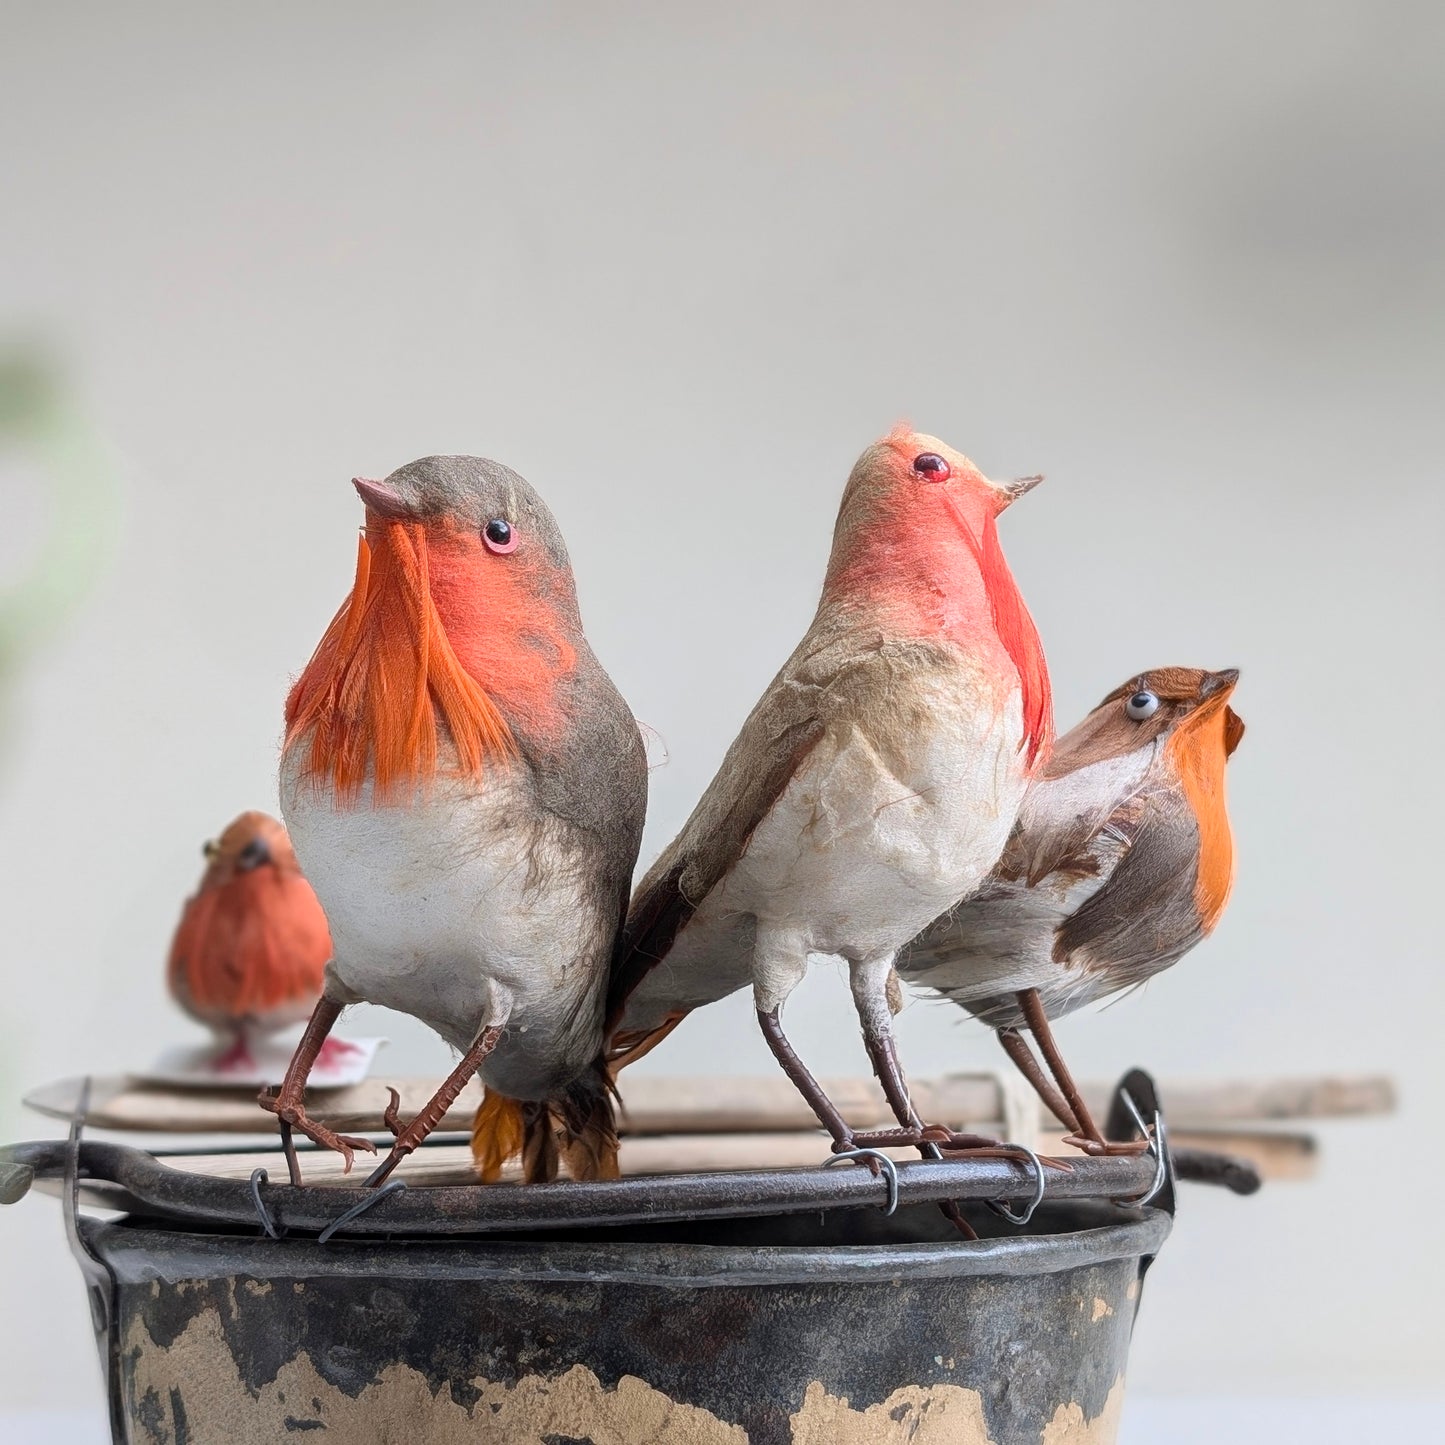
1122, 860
875, 782
252, 944
465, 788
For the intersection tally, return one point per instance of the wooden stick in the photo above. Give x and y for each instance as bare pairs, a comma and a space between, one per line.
655, 1104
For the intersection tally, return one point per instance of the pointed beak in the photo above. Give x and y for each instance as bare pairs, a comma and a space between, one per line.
1219, 682
1214, 694
382, 499
1015, 489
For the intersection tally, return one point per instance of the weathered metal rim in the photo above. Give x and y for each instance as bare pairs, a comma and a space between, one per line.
138, 1256
149, 1186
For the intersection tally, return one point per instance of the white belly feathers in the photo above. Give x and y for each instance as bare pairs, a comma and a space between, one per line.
856, 856
433, 902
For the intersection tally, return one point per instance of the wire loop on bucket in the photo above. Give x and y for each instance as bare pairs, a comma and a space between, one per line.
258, 1178
1001, 1206
397, 1186
888, 1167
1158, 1147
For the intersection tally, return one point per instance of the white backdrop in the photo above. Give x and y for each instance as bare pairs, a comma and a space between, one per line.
678, 266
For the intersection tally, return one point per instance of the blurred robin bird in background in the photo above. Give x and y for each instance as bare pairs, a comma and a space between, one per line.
252, 944
466, 788
1122, 859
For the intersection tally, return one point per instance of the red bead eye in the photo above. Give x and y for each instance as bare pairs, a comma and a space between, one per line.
931, 467
499, 536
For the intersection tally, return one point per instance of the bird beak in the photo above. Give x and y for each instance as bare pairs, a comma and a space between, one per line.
1214, 694
1219, 683
382, 499
1015, 489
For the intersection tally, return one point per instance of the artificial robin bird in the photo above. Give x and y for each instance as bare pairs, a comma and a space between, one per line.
1120, 862
466, 787
877, 779
248, 954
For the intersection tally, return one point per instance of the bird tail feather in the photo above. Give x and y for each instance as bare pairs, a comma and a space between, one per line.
577, 1128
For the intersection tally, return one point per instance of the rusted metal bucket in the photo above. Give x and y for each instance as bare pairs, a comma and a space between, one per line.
753, 1309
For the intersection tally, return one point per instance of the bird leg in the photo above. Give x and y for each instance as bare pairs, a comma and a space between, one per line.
1086, 1134
435, 1110
289, 1104
803, 1080
870, 996
337, 1051
1015, 1046
237, 1057
869, 982
874, 999
780, 962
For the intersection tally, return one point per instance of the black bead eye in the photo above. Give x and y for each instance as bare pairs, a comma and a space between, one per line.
1143, 704
498, 535
931, 467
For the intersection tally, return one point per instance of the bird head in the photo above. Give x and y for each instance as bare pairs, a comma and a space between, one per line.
917, 485
252, 841
468, 513
916, 547
1185, 707
463, 613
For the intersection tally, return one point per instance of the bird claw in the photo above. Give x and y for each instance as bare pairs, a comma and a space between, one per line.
391, 1115
296, 1116
1099, 1148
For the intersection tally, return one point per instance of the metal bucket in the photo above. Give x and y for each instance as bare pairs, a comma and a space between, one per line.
754, 1309
817, 1332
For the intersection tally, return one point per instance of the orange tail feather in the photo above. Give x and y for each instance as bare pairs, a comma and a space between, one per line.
578, 1129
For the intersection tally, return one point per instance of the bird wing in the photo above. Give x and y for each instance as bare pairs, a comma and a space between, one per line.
774, 741
1144, 918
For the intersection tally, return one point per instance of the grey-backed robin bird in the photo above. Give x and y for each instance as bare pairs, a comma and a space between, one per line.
252, 944
1121, 860
874, 783
465, 788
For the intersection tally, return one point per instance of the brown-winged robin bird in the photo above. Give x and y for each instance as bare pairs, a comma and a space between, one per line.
465, 788
877, 779
248, 954
1121, 860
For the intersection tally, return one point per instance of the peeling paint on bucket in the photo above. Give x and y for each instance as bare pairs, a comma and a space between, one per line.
840, 1329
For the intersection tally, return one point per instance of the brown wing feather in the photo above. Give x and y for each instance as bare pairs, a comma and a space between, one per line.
670, 894
1143, 919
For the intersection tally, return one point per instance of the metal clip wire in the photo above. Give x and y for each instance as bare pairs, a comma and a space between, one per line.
889, 1168
397, 1186
1001, 1206
258, 1178
1158, 1147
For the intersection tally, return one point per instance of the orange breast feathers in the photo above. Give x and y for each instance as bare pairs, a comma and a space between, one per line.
437, 643
250, 944
1197, 753
1020, 638
940, 573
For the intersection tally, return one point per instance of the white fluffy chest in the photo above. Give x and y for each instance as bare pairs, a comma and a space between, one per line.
860, 852
429, 902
